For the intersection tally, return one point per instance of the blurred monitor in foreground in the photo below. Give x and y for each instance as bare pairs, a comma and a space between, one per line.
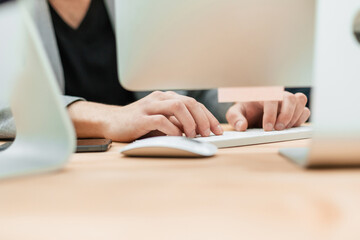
45, 136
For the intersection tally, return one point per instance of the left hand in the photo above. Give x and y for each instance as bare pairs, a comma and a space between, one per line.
272, 115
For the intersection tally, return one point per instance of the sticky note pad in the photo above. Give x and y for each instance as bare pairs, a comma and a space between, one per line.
250, 94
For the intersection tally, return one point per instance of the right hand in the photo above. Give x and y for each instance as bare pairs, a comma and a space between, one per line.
166, 112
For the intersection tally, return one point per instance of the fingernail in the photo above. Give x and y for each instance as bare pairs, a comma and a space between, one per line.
192, 134
220, 129
207, 132
238, 125
280, 126
269, 127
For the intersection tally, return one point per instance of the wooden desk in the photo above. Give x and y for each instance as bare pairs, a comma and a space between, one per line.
242, 193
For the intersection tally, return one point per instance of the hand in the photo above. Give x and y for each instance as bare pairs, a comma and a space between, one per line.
291, 112
166, 112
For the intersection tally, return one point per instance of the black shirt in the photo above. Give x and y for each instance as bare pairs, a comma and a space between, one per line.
3, 1
88, 56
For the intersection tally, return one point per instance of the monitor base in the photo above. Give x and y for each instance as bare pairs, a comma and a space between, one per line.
299, 156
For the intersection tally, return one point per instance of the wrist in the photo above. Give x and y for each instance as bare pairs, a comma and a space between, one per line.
91, 120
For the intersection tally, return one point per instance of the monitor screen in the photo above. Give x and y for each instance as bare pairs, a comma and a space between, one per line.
202, 44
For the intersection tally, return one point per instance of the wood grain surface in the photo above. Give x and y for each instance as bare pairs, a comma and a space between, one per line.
242, 193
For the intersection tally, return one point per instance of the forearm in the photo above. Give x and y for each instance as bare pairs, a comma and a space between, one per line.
90, 119
165, 112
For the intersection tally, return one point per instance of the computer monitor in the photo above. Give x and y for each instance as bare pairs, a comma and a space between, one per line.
336, 99
202, 44
45, 137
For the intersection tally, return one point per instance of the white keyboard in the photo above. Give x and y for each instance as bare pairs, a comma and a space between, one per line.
257, 136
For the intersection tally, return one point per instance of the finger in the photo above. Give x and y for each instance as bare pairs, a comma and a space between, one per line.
201, 119
202, 124
161, 123
215, 126
301, 101
236, 117
155, 133
270, 115
286, 112
304, 116
176, 123
175, 107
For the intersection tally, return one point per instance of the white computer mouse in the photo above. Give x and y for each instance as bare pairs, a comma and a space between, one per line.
169, 146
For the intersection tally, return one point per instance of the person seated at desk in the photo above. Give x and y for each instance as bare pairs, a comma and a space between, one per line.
80, 42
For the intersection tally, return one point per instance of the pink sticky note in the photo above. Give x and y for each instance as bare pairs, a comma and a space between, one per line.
250, 94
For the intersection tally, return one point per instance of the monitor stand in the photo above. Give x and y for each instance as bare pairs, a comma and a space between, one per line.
45, 137
336, 98
296, 155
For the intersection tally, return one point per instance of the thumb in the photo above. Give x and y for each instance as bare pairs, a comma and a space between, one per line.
236, 117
